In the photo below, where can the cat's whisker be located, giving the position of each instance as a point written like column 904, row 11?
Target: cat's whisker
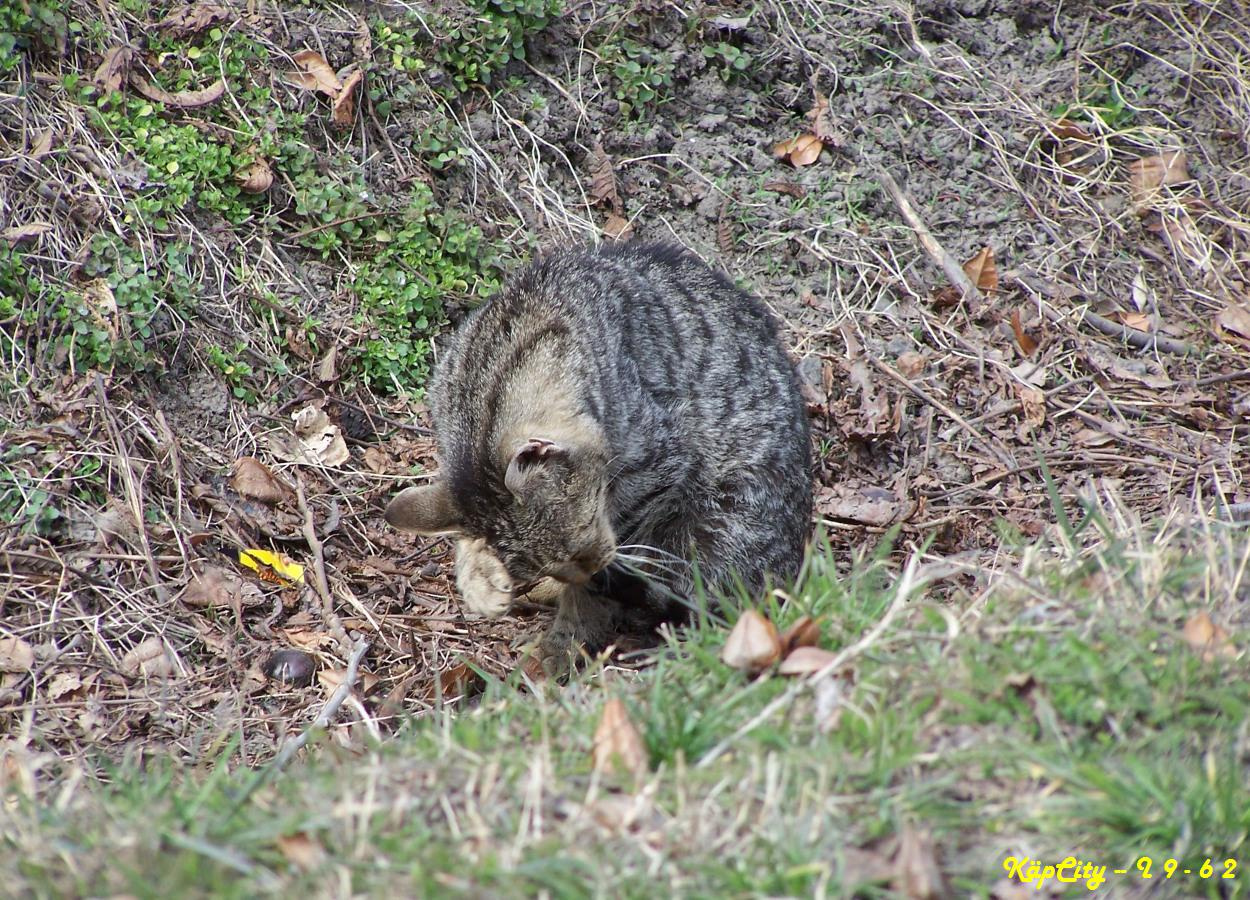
column 636, row 564
column 656, row 550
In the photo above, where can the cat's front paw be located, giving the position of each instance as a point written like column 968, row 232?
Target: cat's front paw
column 484, row 584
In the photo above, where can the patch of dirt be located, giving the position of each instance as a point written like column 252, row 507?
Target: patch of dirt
column 1105, row 353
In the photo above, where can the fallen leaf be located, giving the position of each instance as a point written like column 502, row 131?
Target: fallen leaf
column 459, row 680
column 255, row 178
column 192, row 18
column 308, row 639
column 343, row 111
column 214, row 588
column 63, row 684
column 315, row 74
column 1066, row 129
column 1138, row 320
column 911, row 363
column 1150, row 174
column 1033, row 401
column 864, row 505
column 821, row 117
column 149, row 659
column 805, row 661
column 792, row 188
column 1144, row 371
column 803, row 633
column 326, row 368
column 603, row 188
column 618, row 228
column 182, row 99
column 16, row 234
column 16, row 655
column 302, row 851
column 800, row 151
column 253, row 479
column 103, row 305
column 276, row 567
column 113, row 71
column 618, row 746
column 1208, row 639
column 753, row 645
column 1235, row 319
column 320, row 440
column 982, row 271
column 43, row 146
column 330, row 679
column 1026, row 342
column 916, row 872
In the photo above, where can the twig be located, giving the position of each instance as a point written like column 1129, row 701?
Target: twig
column 1141, row 340
column 320, row 583
column 907, row 583
column 328, row 711
column 954, row 271
column 1002, row 456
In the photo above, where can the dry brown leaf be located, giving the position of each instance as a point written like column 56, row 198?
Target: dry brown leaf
column 343, row 112
column 791, row 188
column 803, row 633
column 16, row 234
column 182, row 99
column 64, row 684
column 330, row 679
column 618, row 228
column 114, row 70
column 911, row 363
column 1066, row 129
column 103, row 305
column 302, row 851
column 1143, row 371
column 753, row 645
column 863, row 504
column 1148, row 175
column 603, row 187
column 458, row 681
column 253, row 479
column 315, row 74
column 982, row 271
column 805, row 661
column 256, row 178
column 821, row 117
column 1023, row 338
column 1033, row 401
column 149, row 659
column 1138, row 320
column 215, row 588
column 320, row 440
column 917, row 875
column 16, row 655
column 43, row 146
column 326, row 368
column 192, row 18
column 307, row 639
column 1235, row 319
column 800, row 151
column 618, row 746
column 1208, row 639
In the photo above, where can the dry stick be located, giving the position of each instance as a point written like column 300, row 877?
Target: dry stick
column 1133, row 337
column 954, row 271
column 906, row 585
column 328, row 711
column 320, row 582
column 1001, row 456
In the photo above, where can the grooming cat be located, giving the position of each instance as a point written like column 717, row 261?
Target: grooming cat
column 613, row 417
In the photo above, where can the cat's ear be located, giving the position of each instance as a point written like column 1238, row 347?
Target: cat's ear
column 426, row 509
column 534, row 452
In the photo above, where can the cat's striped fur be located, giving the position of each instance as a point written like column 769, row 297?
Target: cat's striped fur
column 616, row 412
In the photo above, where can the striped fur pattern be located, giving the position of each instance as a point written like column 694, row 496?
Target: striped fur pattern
column 612, row 417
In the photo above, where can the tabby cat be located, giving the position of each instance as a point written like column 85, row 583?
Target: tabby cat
column 617, row 424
